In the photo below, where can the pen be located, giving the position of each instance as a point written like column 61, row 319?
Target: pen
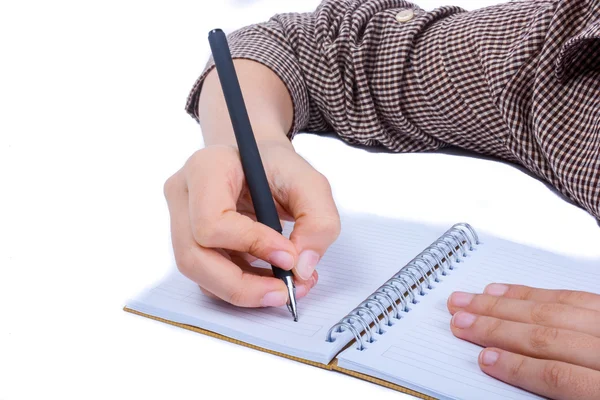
column 256, row 178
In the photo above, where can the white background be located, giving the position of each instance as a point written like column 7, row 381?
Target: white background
column 92, row 122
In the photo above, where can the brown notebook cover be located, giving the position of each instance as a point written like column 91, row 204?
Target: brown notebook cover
column 332, row 366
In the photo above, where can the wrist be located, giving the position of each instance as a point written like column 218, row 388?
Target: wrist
column 224, row 135
column 267, row 101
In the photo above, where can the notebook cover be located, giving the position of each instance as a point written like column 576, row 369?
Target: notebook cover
column 332, row 366
column 372, row 379
column 228, row 339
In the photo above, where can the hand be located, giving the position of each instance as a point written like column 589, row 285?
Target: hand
column 215, row 234
column 544, row 341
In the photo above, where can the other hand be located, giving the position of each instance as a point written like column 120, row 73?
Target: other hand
column 544, row 341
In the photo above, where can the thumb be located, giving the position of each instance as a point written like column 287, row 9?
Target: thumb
column 317, row 221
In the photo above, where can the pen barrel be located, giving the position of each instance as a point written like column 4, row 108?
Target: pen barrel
column 256, row 178
column 280, row 273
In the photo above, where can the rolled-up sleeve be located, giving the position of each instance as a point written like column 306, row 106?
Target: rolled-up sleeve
column 342, row 64
column 519, row 81
column 267, row 44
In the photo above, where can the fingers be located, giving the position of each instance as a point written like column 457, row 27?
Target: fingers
column 553, row 379
column 215, row 221
column 302, row 287
column 317, row 222
column 569, row 297
column 210, row 268
column 531, row 340
column 550, row 338
column 546, row 314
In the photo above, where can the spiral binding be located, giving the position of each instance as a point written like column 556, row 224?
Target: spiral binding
column 404, row 287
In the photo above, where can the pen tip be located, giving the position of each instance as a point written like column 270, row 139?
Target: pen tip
column 291, row 303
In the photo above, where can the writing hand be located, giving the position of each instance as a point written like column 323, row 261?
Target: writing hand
column 215, row 234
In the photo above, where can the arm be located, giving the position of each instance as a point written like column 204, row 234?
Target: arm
column 478, row 80
column 317, row 57
column 267, row 101
column 518, row 81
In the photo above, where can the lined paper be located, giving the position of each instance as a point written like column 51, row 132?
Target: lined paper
column 369, row 251
column 420, row 351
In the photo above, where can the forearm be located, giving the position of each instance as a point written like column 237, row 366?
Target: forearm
column 267, row 101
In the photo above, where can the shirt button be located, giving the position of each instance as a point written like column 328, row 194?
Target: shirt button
column 405, row 15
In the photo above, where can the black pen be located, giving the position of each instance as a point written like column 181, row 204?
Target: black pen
column 256, row 179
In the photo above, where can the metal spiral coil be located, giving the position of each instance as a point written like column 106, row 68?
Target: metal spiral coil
column 414, row 279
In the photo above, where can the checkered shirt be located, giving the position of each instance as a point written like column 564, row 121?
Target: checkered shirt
column 519, row 81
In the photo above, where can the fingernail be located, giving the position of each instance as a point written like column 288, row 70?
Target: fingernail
column 496, row 289
column 282, row 259
column 274, row 299
column 489, row 357
column 461, row 299
column 306, row 264
column 463, row 319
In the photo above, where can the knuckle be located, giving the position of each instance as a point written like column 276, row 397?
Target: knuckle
column 254, row 243
column 240, row 295
column 556, row 376
column 333, row 226
column 323, row 181
column 491, row 330
column 330, row 227
column 568, row 296
column 516, row 370
column 237, row 297
column 526, row 293
column 206, row 160
column 542, row 337
column 541, row 312
column 493, row 305
column 564, row 296
column 320, row 181
column 196, row 157
column 204, row 231
column 170, row 185
column 193, row 162
column 185, row 262
column 252, row 238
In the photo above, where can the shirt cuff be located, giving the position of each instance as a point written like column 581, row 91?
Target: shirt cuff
column 265, row 44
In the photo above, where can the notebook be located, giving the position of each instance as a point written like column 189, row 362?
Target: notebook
column 379, row 310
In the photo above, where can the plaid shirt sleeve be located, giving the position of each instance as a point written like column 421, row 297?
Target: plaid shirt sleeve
column 519, row 81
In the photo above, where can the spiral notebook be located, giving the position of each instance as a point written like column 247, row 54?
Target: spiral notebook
column 379, row 310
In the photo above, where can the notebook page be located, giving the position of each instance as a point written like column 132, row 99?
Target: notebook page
column 368, row 252
column 421, row 352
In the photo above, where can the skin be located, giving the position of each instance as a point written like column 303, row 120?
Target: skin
column 214, row 230
column 544, row 341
